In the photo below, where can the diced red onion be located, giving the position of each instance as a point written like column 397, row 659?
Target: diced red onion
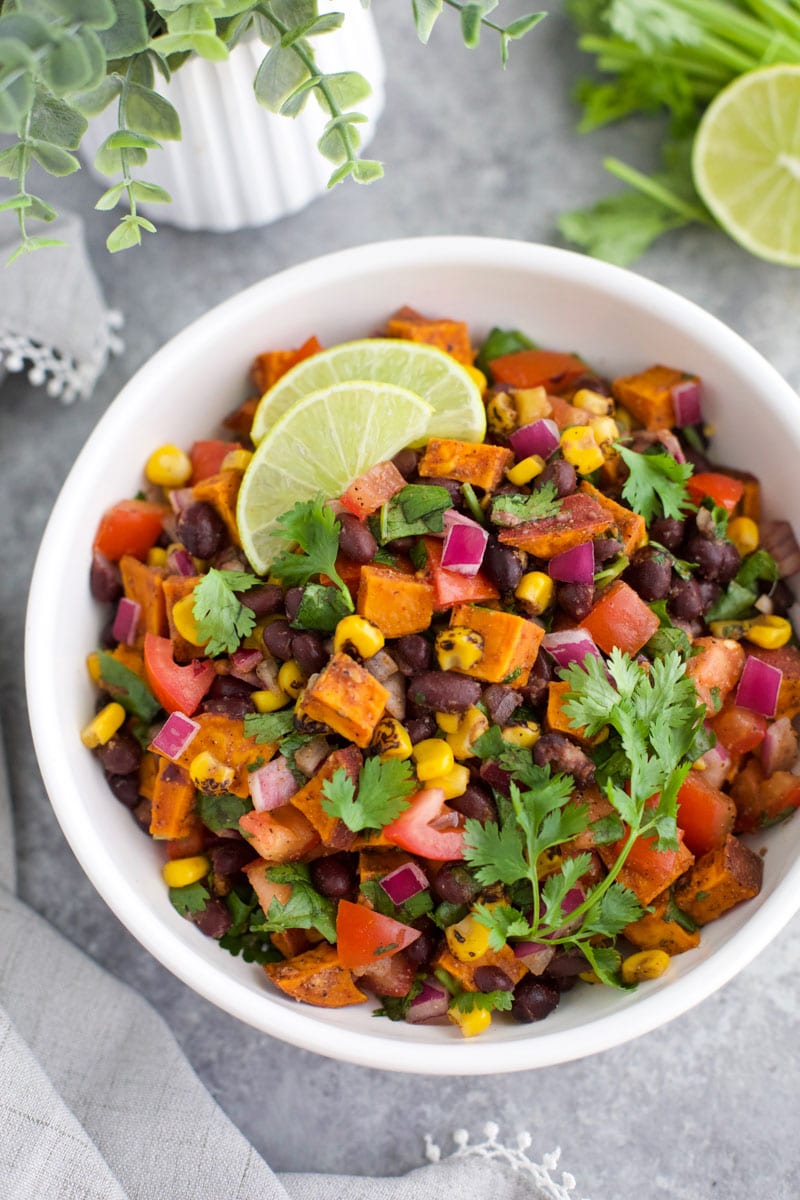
column 779, row 747
column 778, row 538
column 243, row 665
column 381, row 665
column 573, row 899
column 403, row 883
column 126, row 621
column 535, row 955
column 396, row 700
column 175, row 735
column 464, row 547
column 448, row 820
column 540, row 437
column 312, row 755
column 431, row 1003
column 452, row 516
column 759, row 686
column 272, row 785
column 180, row 562
column 716, row 764
column 570, row 645
column 686, row 402
column 573, row 566
column 180, row 499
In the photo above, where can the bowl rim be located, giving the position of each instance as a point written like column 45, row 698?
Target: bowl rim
column 299, row 1026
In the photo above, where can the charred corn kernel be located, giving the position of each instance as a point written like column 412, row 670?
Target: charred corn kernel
column 354, row 633
column 589, row 977
column 548, row 862
column 768, row 632
column 269, row 699
column 593, row 402
column 729, row 629
column 453, row 784
column 180, row 872
column 103, row 727
column 156, row 556
column 468, row 939
column 525, row 470
column 531, row 405
column 624, row 418
column 208, row 774
column 606, row 433
column 185, row 623
column 447, row 722
column 236, row 460
column 458, row 648
column 743, row 532
column 470, row 1023
column 168, row 467
column 536, row 591
column 523, row 736
column 291, row 678
column 647, row 964
column 469, row 728
column 93, row 666
column 391, row 739
column 477, row 376
column 579, row 447
column 433, row 757
column 501, row 413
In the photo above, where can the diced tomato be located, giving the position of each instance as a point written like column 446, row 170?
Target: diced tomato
column 279, row 835
column 130, row 527
column 450, row 587
column 705, row 814
column 176, row 688
column 363, row 936
column 761, row 802
column 715, row 669
column 206, row 458
column 621, row 618
column 413, row 830
column 537, row 368
column 725, row 491
column 372, row 489
column 390, row 976
column 739, row 729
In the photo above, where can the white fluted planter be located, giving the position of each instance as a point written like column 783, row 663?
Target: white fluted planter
column 238, row 165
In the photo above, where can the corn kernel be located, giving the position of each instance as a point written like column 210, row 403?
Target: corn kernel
column 606, row 433
column 768, row 632
column 355, row 635
column 523, row 736
column 579, row 447
column 269, row 700
column 103, row 727
column 210, row 775
column 184, row 621
column 93, row 666
column 156, row 556
column 525, row 470
column 743, row 532
column 453, row 784
column 433, row 757
column 593, row 402
column 236, row 460
column 536, row 591
column 458, row 648
column 646, row 964
column 471, row 1023
column 180, row 872
column 624, row 418
column 470, row 726
column 447, row 722
column 468, row 939
column 589, row 977
column 548, row 862
column 477, row 376
column 729, row 628
column 291, row 678
column 391, row 739
column 531, row 405
column 501, row 414
column 168, row 467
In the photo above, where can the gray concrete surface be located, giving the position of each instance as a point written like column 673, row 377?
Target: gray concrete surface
column 706, row 1107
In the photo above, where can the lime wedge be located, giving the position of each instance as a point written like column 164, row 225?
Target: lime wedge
column 432, row 374
column 324, row 442
column 746, row 162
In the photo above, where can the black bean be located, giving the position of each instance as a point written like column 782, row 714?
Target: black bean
column 566, row 964
column 501, row 701
column 235, row 707
column 215, row 920
column 535, row 690
column 400, row 545
column 731, row 561
column 534, row 999
column 105, row 580
column 277, row 638
column 685, row 599
column 708, row 554
column 650, row 573
column 406, row 462
column 334, row 875
column 475, row 801
column 451, row 485
column 125, row 788
column 492, row 979
column 502, row 564
column 420, row 728
column 264, row 600
column 575, row 599
column 444, row 691
column 605, row 549
column 782, row 598
column 594, row 383
column 355, row 540
column 229, row 855
column 308, row 650
column 143, row 813
column 106, row 640
column 698, row 460
column 201, row 529
column 225, row 686
column 454, row 883
column 557, row 751
column 668, row 531
column 422, row 949
column 121, row 754
column 412, row 654
column 292, row 601
column 560, row 473
column 709, row 592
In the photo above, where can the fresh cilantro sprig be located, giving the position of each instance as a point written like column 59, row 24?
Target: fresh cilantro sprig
column 222, row 620
column 222, row 811
column 656, row 485
column 498, row 1001
column 245, row 935
column 125, row 686
column 305, row 907
column 416, row 509
column 742, row 592
column 268, row 728
column 540, row 504
column 379, row 798
column 189, row 899
column 312, row 525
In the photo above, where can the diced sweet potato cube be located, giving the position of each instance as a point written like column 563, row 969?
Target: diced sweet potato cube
column 786, row 659
column 647, row 886
column 579, row 519
column 657, row 931
column 398, row 604
column 224, row 738
column 316, row 977
column 464, row 972
column 719, row 880
column 450, row 336
column 309, row 799
column 470, row 462
column 715, row 670
column 510, row 643
column 375, row 862
column 221, row 491
column 268, row 368
column 172, row 811
column 281, row 835
column 346, row 698
column 648, row 395
column 557, row 719
column 372, row 839
column 630, row 525
column 178, row 587
column 240, row 420
column 148, row 773
column 145, row 585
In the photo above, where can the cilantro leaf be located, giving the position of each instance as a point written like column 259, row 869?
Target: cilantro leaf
column 126, row 687
column 396, row 1007
column 617, row 907
column 380, row 798
column 496, row 852
column 760, row 565
column 268, row 727
column 619, row 228
column 221, row 811
column 605, row 962
column 668, row 636
column 189, row 899
column 503, row 921
column 241, row 938
column 673, row 913
column 656, row 484
column 467, row 1002
column 321, row 607
column 499, row 343
column 222, row 620
column 416, row 509
column 407, row 912
column 515, row 510
column 313, row 526
column 305, row 907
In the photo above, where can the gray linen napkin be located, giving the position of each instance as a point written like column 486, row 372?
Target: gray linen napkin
column 97, row 1101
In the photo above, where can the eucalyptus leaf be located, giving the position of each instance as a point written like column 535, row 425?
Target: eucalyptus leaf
column 142, row 71
column 27, row 28
column 128, row 35
column 122, row 139
column 31, row 244
column 341, row 173
column 280, row 73
column 150, row 193
column 40, row 210
column 10, row 161
column 126, row 234
column 324, row 24
column 148, row 112
column 471, row 17
column 96, row 13
column 15, row 101
column 108, row 159
column 14, row 52
column 293, row 12
column 426, row 14
column 110, row 198
column 347, row 88
column 15, row 203
column 54, row 159
column 366, row 170
column 67, row 67
column 56, row 122
column 206, row 45
column 95, row 101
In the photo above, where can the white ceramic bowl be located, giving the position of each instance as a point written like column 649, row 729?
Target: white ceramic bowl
column 620, row 322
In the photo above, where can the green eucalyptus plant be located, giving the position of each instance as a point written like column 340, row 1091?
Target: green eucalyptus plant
column 62, row 61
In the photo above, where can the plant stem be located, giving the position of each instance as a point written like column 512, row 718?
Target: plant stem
column 776, row 14
column 736, row 26
column 617, row 54
column 651, row 187
column 122, row 123
column 22, row 174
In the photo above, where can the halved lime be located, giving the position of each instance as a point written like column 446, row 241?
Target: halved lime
column 324, row 442
column 429, row 372
column 746, row 162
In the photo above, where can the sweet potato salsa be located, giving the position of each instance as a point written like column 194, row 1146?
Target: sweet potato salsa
column 499, row 719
